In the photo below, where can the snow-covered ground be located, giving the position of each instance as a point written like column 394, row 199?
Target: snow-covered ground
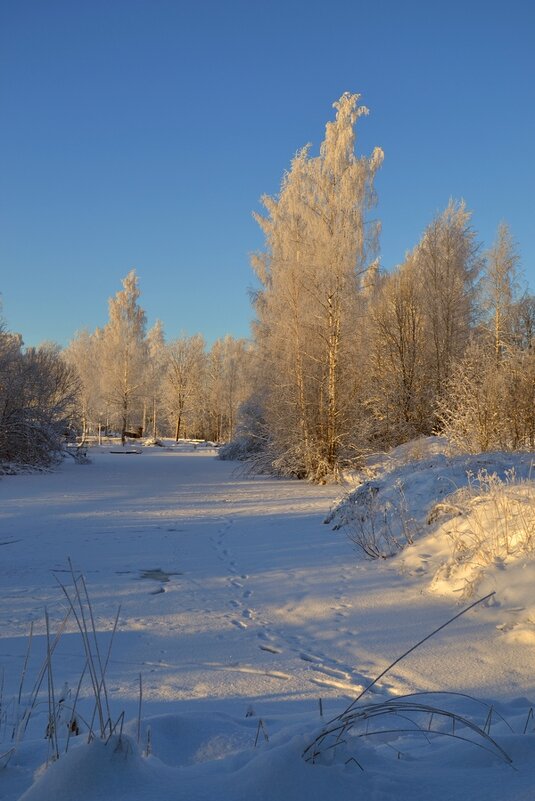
column 238, row 605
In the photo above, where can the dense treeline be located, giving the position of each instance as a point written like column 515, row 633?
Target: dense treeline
column 351, row 358
column 345, row 358
column 133, row 381
column 119, row 380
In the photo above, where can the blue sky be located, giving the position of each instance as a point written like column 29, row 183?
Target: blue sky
column 142, row 133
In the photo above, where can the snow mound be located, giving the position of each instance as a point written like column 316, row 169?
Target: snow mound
column 381, row 755
column 396, row 503
column 94, row 771
column 490, row 525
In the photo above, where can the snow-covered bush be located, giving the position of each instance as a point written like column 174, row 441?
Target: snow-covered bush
column 491, row 522
column 401, row 499
column 381, row 529
column 251, row 434
column 37, row 396
column 490, row 402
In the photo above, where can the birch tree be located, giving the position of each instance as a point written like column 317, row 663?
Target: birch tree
column 500, row 285
column 184, row 366
column 154, row 374
column 123, row 354
column 226, row 386
column 398, row 397
column 448, row 263
column 319, row 244
column 490, row 398
column 83, row 354
column 524, row 322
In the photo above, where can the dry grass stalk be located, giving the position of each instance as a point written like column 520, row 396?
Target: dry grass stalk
column 346, row 724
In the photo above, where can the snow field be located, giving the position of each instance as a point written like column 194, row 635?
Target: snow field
column 235, row 598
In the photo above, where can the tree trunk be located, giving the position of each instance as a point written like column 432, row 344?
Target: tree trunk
column 125, row 419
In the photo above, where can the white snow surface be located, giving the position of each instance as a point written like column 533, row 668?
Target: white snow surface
column 238, row 605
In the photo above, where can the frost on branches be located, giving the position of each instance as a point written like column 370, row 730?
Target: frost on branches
column 319, row 245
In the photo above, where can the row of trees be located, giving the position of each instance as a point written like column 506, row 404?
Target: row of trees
column 133, row 381
column 452, row 342
column 350, row 358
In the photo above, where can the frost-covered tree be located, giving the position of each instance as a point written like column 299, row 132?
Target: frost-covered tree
column 83, row 354
column 184, row 368
column 490, row 405
column 421, row 320
column 472, row 408
column 489, row 401
column 319, row 245
column 500, row 285
column 524, row 322
column 154, row 374
column 123, row 355
column 448, row 263
column 397, row 394
column 38, row 394
column 226, row 386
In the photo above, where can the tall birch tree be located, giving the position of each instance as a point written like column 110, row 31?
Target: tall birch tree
column 319, row 244
column 123, row 354
column 500, row 284
column 448, row 263
column 154, row 376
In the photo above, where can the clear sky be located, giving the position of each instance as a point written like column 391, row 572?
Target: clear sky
column 142, row 133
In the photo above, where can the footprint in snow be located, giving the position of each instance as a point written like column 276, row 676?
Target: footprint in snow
column 270, row 649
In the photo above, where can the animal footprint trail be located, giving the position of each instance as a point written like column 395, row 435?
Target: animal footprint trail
column 322, row 670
